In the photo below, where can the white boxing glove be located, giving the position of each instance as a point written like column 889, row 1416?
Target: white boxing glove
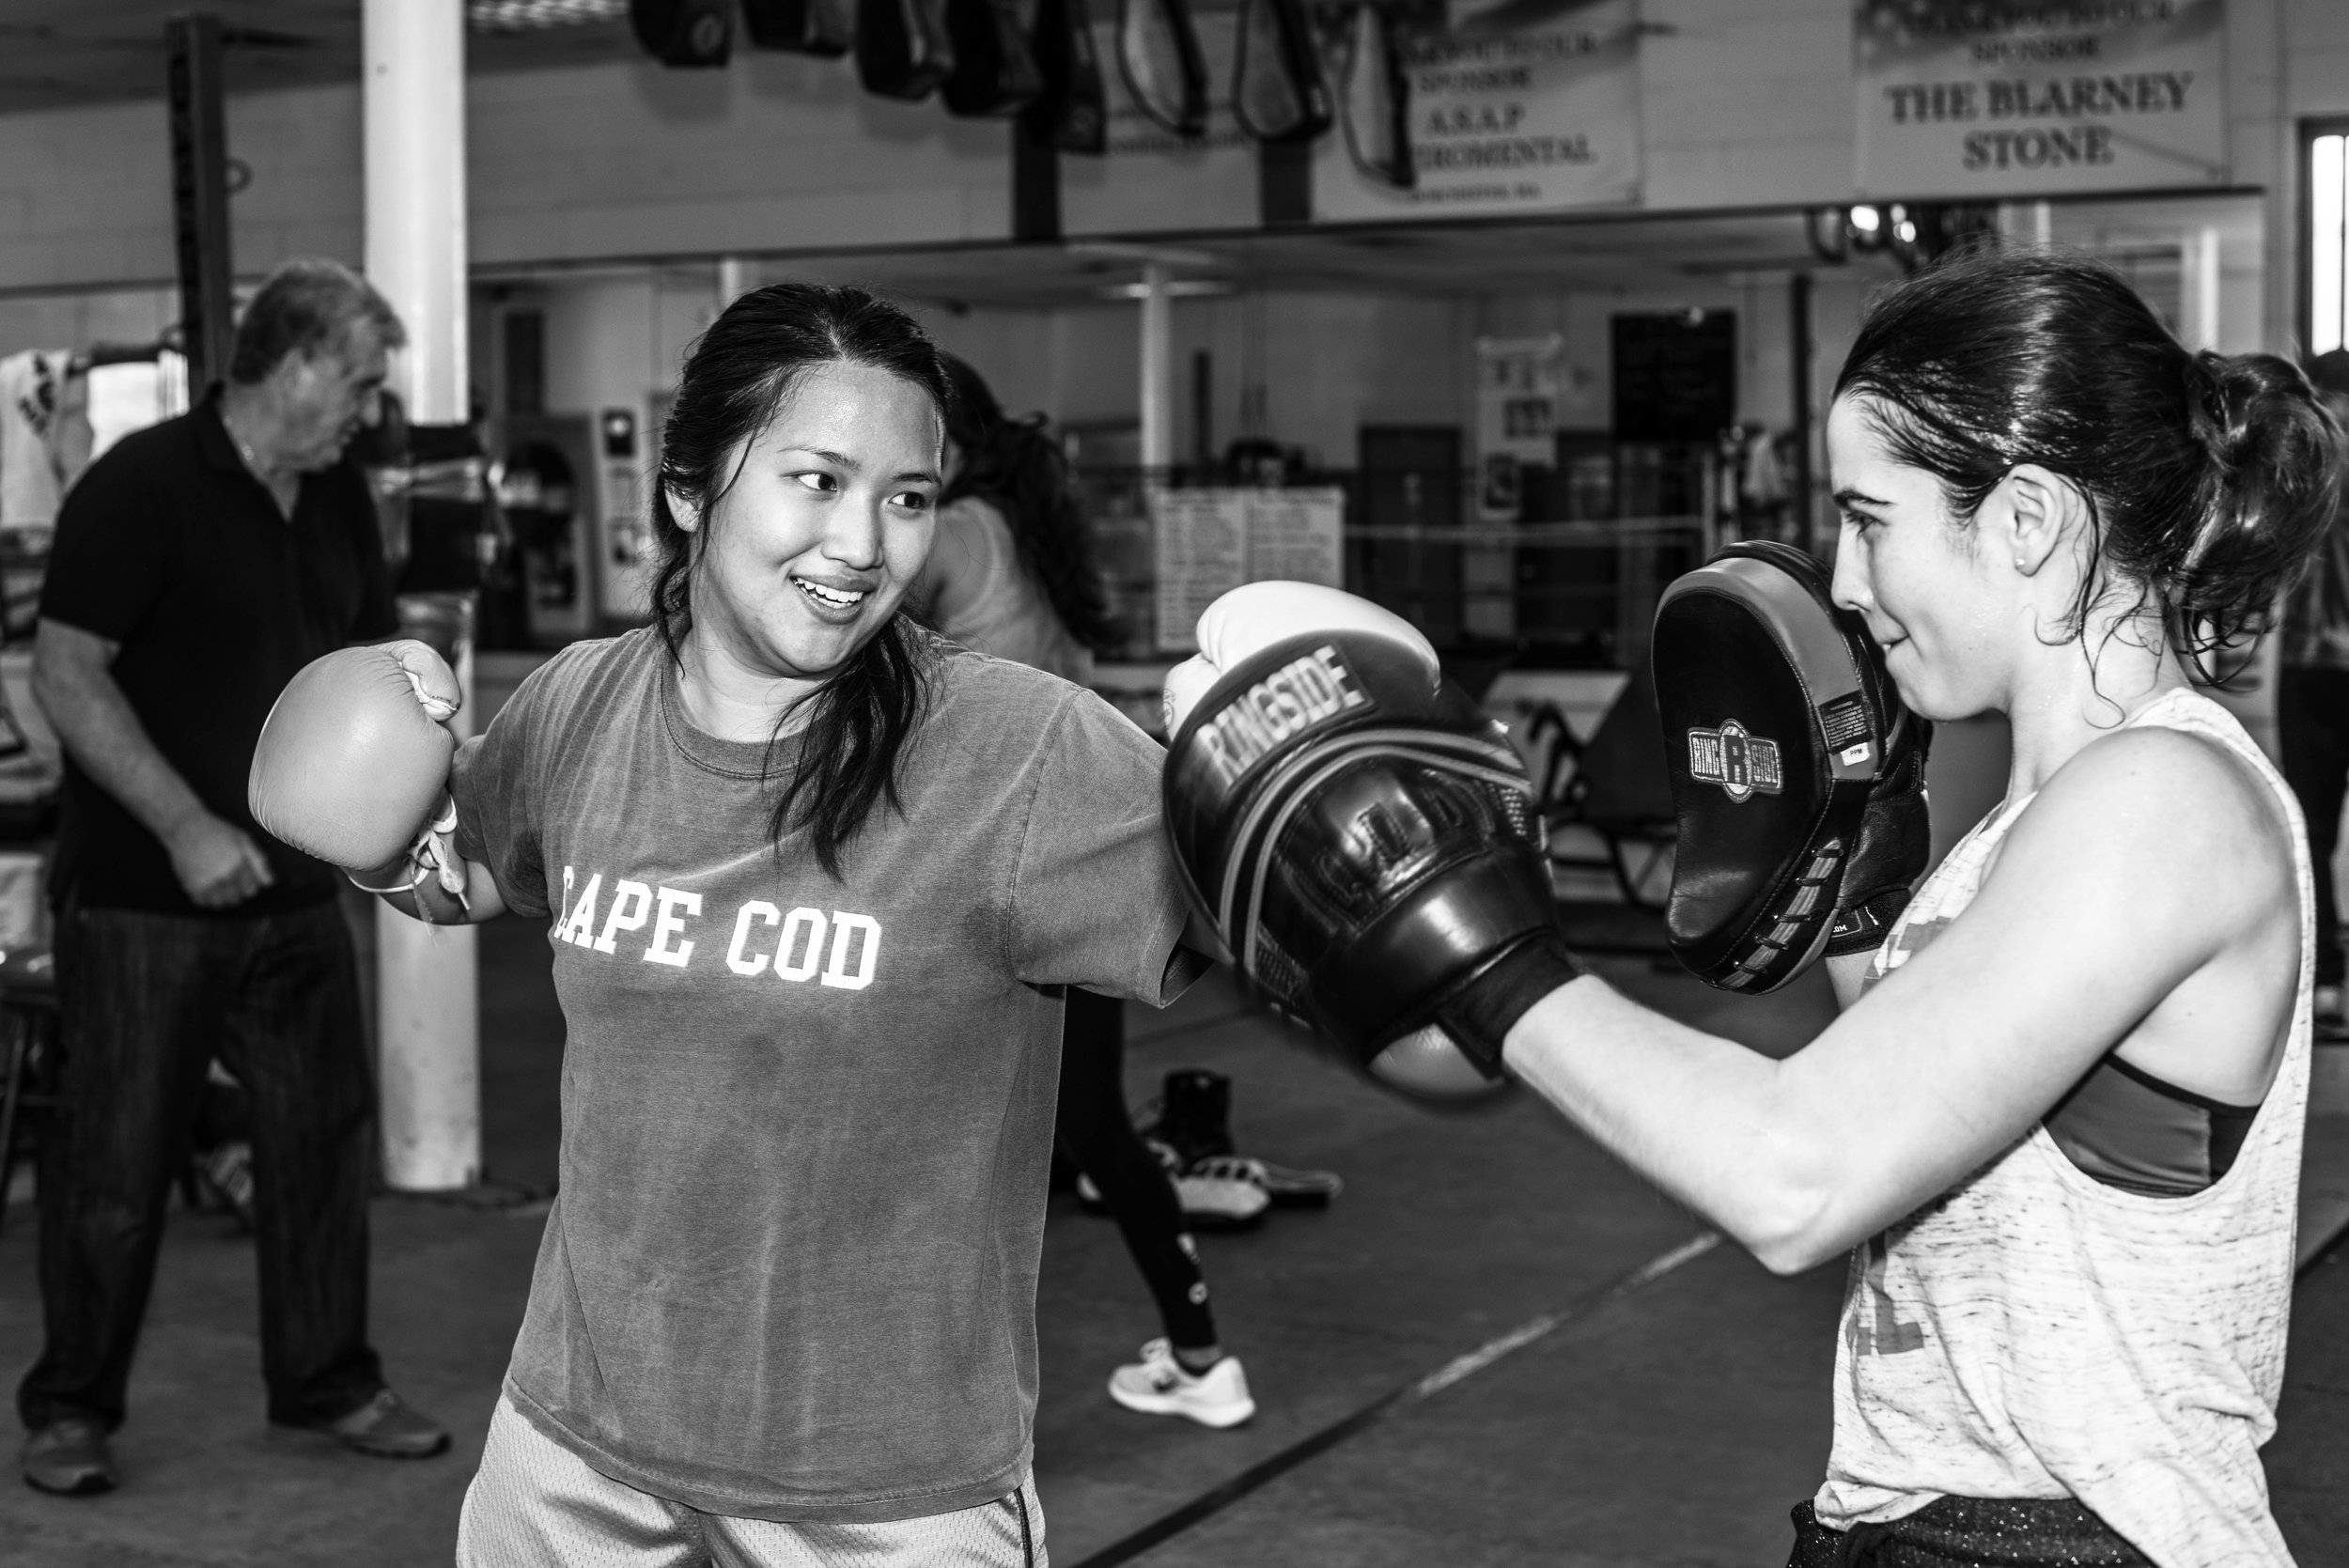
column 353, row 765
column 1255, row 616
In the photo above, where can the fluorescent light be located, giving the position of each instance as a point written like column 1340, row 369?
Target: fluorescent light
column 530, row 16
column 1176, row 288
column 1867, row 220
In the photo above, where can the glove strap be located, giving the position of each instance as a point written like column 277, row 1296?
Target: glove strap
column 1480, row 1014
column 1862, row 927
column 431, row 858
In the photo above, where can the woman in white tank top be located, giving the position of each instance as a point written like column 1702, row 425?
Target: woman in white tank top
column 2058, row 1124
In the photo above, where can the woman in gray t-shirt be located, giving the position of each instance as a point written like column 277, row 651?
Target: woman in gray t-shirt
column 814, row 880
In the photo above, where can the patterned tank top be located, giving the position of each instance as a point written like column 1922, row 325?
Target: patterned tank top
column 2034, row 1332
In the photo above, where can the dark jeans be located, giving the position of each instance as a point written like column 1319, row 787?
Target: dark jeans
column 1099, row 1132
column 2312, row 735
column 144, row 1001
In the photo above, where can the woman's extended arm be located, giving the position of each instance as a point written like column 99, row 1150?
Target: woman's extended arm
column 2146, row 858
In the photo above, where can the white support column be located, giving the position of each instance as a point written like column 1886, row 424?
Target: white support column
column 414, row 102
column 1157, row 368
column 736, row 278
column 2198, row 288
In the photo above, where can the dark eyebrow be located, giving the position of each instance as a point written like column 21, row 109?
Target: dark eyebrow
column 924, row 474
column 1848, row 497
column 839, row 460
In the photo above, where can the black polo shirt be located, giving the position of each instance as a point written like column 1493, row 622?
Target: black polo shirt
column 171, row 547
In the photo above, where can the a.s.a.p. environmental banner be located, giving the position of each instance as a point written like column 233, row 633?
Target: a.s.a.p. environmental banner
column 1471, row 108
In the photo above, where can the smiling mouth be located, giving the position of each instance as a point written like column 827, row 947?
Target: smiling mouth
column 831, row 598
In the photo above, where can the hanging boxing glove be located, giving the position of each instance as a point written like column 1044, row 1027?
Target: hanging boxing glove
column 1071, row 112
column 1276, row 90
column 820, row 27
column 1158, row 54
column 1374, row 94
column 993, row 74
column 902, row 47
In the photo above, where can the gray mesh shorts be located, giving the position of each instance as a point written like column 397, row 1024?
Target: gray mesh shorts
column 535, row 1504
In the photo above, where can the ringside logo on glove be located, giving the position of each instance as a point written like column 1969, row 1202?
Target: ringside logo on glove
column 1362, row 837
column 1285, row 704
column 1799, row 795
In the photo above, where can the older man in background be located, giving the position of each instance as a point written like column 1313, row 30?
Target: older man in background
column 198, row 565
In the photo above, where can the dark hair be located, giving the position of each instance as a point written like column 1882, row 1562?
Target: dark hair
column 2209, row 477
column 1013, row 464
column 307, row 307
column 735, row 378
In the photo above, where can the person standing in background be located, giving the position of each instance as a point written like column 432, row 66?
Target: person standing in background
column 2312, row 713
column 1011, row 574
column 198, row 565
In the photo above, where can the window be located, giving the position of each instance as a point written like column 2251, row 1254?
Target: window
column 2325, row 202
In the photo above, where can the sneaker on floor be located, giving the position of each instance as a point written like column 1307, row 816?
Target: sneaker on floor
column 1159, row 1386
column 383, row 1428
column 1287, row 1188
column 70, row 1458
column 1220, row 1203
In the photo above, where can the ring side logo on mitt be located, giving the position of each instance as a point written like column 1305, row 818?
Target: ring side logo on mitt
column 1743, row 764
column 1289, row 701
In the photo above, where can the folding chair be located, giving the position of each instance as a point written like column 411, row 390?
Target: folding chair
column 1612, row 786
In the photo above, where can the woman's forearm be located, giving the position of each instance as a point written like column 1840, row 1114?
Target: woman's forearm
column 1702, row 1117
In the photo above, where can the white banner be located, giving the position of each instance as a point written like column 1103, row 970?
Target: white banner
column 2019, row 97
column 1514, row 107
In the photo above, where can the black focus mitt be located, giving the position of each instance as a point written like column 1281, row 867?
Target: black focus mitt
column 1796, row 773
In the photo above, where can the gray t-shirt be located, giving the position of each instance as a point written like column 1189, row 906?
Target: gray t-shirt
column 806, row 1122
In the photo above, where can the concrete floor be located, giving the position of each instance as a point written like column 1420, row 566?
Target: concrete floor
column 1674, row 1424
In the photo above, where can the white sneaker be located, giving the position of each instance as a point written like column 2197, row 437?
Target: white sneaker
column 1160, row 1387
column 1221, row 1203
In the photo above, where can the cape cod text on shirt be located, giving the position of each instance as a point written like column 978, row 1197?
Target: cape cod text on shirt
column 838, row 948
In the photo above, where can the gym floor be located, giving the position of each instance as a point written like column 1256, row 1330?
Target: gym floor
column 1614, row 1392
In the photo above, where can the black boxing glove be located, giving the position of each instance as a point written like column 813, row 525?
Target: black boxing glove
column 1361, row 838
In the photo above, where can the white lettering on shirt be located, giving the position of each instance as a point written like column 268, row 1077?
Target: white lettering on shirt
column 630, row 901
column 812, row 921
column 737, row 960
column 838, row 971
column 666, row 925
column 841, row 948
column 579, row 927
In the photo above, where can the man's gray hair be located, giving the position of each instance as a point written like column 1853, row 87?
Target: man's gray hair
column 307, row 307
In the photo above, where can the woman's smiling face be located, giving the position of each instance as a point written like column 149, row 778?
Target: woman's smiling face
column 829, row 518
column 1916, row 574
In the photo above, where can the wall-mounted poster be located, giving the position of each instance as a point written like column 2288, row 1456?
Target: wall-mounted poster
column 1460, row 107
column 1518, row 383
column 1211, row 540
column 1201, row 556
column 2017, row 97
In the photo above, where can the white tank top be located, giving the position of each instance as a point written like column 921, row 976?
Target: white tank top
column 2035, row 1333
column 991, row 603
